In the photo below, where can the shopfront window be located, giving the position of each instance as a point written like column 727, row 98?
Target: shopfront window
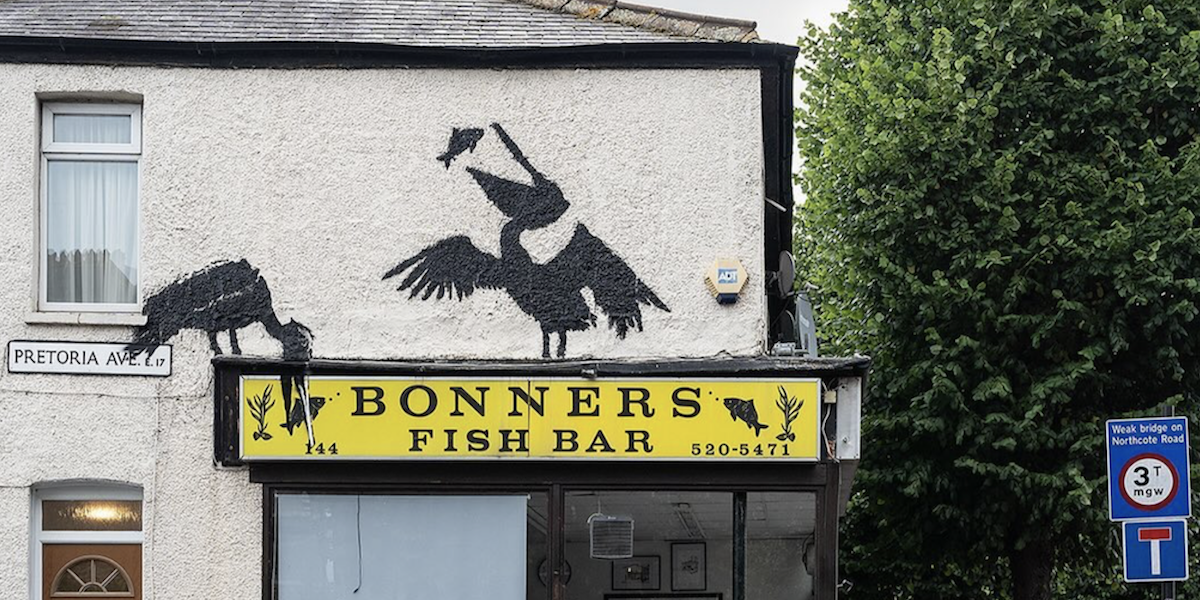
column 685, row 545
column 372, row 547
column 666, row 526
column 616, row 545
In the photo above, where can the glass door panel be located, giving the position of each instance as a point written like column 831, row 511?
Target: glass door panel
column 780, row 553
column 92, row 570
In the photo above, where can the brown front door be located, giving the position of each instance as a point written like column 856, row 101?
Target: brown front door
column 97, row 570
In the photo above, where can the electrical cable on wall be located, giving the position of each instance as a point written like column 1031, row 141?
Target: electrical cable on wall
column 830, row 446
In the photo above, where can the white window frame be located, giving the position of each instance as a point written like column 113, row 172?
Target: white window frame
column 51, row 150
column 77, row 491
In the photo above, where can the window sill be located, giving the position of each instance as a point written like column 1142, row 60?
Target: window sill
column 78, row 318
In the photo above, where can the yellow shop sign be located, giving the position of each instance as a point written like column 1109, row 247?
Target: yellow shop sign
column 357, row 418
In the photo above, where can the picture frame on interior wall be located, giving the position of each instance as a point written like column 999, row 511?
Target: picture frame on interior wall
column 637, row 573
column 689, row 566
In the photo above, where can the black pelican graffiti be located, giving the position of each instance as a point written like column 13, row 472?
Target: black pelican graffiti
column 224, row 296
column 550, row 293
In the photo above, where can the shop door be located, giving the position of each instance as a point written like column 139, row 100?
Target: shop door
column 92, row 571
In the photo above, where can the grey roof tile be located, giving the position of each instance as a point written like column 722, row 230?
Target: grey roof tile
column 439, row 23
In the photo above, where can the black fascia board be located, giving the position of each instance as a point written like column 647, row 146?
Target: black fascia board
column 741, row 367
column 342, row 55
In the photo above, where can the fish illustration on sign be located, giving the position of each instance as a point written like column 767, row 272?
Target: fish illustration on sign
column 296, row 417
column 744, row 410
column 461, row 140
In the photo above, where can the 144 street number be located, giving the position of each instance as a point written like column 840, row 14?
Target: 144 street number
column 771, row 449
column 322, row 449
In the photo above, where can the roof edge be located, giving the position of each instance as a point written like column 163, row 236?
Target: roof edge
column 660, row 20
column 681, row 54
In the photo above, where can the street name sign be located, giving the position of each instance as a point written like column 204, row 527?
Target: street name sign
column 1148, row 468
column 1155, row 551
column 87, row 358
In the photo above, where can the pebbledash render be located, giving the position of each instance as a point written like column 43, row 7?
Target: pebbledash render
column 369, row 299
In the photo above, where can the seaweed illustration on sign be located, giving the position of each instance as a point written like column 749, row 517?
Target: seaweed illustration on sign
column 226, row 296
column 744, row 410
column 259, row 407
column 550, row 292
column 790, row 407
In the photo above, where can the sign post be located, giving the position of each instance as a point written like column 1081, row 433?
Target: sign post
column 1149, row 490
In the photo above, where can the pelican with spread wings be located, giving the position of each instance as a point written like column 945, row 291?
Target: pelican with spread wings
column 550, row 292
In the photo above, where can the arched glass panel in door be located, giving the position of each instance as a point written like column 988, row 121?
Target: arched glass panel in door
column 91, row 577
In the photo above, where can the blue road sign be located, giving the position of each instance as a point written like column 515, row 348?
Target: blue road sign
column 1148, row 468
column 1155, row 550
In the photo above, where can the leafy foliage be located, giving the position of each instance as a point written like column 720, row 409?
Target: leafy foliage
column 1001, row 210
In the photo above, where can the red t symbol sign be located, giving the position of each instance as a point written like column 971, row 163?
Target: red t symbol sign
column 1155, row 535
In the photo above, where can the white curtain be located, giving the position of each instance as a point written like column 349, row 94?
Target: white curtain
column 91, row 231
column 401, row 547
column 92, row 129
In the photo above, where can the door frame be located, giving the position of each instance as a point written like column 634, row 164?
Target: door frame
column 78, row 490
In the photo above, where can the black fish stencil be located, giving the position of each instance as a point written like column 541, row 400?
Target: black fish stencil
column 744, row 410
column 461, row 140
column 296, row 417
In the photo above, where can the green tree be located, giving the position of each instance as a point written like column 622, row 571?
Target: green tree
column 1000, row 209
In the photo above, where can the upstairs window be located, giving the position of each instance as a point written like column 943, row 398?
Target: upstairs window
column 89, row 207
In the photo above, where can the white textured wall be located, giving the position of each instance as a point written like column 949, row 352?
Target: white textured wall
column 323, row 180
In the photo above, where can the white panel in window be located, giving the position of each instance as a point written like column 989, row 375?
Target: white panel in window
column 91, row 232
column 401, row 547
column 93, row 129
